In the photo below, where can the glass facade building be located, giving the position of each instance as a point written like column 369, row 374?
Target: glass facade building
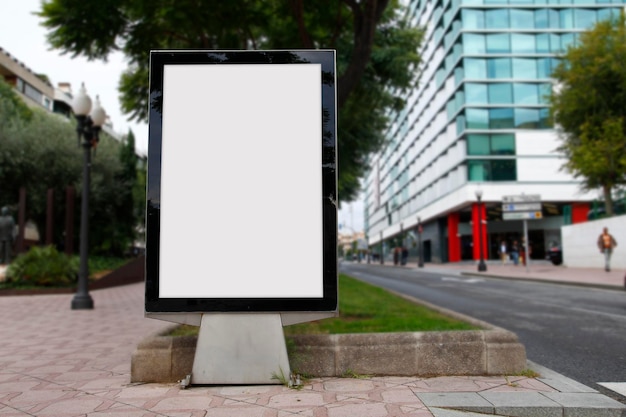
column 478, row 117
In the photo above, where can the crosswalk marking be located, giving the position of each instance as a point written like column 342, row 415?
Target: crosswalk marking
column 619, row 387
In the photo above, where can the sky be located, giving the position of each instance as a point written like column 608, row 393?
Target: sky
column 22, row 36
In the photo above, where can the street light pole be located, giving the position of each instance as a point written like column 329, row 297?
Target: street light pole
column 420, row 249
column 382, row 249
column 88, row 128
column 481, row 264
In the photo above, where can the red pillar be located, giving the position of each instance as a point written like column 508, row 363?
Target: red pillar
column 476, row 229
column 454, row 240
column 579, row 212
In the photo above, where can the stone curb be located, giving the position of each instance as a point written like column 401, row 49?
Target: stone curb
column 489, row 351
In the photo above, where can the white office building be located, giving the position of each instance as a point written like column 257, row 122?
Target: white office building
column 477, row 119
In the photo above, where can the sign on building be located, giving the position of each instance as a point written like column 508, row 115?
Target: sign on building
column 521, row 207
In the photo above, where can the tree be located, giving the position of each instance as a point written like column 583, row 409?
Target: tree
column 376, row 49
column 40, row 152
column 589, row 106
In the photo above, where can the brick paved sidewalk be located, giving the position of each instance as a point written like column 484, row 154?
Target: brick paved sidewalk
column 59, row 362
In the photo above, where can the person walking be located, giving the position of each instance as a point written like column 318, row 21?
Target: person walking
column 515, row 252
column 606, row 244
column 503, row 253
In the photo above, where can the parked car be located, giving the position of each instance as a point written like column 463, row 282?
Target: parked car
column 554, row 253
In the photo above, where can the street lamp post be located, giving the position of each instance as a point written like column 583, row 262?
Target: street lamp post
column 89, row 121
column 420, row 249
column 481, row 264
column 382, row 249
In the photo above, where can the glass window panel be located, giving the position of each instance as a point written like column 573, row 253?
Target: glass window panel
column 541, row 19
column 544, row 68
column 478, row 145
column 554, row 19
column 555, row 43
column 524, row 68
column 526, row 93
column 450, row 109
column 476, row 93
column 567, row 40
column 567, row 19
column 477, row 118
column 503, row 144
column 523, row 43
column 526, row 118
column 522, row 19
column 545, row 91
column 478, row 170
column 475, row 68
column 459, row 75
column 460, row 124
column 605, row 14
column 500, row 93
column 459, row 99
column 501, row 118
column 565, row 1
column 497, row 19
column 473, row 19
column 473, row 43
column 503, row 170
column 498, row 43
column 495, row 1
column 545, row 121
column 499, row 68
column 543, row 43
column 584, row 18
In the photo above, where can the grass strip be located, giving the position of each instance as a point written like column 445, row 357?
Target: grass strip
column 365, row 308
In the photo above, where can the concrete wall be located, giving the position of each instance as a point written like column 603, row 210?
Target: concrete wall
column 580, row 248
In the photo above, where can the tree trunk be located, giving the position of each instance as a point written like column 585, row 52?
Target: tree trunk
column 608, row 200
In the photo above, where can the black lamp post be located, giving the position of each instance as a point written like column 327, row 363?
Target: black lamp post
column 481, row 264
column 382, row 249
column 89, row 122
column 420, row 249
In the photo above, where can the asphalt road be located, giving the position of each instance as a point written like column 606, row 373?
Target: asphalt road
column 576, row 331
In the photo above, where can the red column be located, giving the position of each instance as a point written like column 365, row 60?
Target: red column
column 579, row 212
column 454, row 240
column 476, row 229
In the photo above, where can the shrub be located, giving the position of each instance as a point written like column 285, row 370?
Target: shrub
column 42, row 266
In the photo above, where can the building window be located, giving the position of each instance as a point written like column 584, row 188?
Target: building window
column 500, row 93
column 501, row 118
column 499, row 68
column 494, row 144
column 492, row 170
column 524, row 68
column 498, row 43
column 497, row 19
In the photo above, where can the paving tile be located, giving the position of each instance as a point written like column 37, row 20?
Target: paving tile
column 523, row 404
column 468, row 401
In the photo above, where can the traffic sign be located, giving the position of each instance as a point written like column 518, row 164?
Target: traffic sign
column 523, row 198
column 522, row 207
column 522, row 215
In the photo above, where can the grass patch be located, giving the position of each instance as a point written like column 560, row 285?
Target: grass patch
column 365, row 308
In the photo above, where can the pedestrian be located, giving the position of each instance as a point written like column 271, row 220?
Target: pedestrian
column 606, row 244
column 503, row 253
column 7, row 228
column 515, row 253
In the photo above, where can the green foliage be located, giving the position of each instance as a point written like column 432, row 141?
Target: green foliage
column 590, row 107
column 42, row 266
column 40, row 152
column 12, row 108
column 376, row 51
column 364, row 308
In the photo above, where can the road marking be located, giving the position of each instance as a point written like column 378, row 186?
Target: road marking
column 464, row 280
column 619, row 387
